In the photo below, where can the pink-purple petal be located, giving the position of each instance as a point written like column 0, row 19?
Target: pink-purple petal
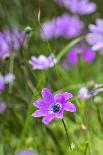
column 59, row 114
column 41, row 104
column 47, row 119
column 62, row 97
column 69, row 107
column 47, row 95
column 40, row 113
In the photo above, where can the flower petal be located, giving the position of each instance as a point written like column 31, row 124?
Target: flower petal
column 59, row 114
column 62, row 97
column 47, row 119
column 41, row 104
column 40, row 113
column 69, row 107
column 47, row 95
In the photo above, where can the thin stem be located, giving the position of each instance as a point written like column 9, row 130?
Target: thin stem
column 11, row 68
column 66, row 133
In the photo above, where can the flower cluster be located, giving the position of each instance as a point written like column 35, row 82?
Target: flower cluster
column 78, row 6
column 42, row 62
column 8, row 78
column 80, row 51
column 9, row 41
column 95, row 37
column 66, row 26
column 53, row 106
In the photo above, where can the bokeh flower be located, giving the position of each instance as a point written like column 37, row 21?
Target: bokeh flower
column 78, row 6
column 62, row 26
column 85, row 92
column 2, row 107
column 95, row 37
column 80, row 51
column 7, row 79
column 53, row 106
column 10, row 41
column 26, row 152
column 42, row 62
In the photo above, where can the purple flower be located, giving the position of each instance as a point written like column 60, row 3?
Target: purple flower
column 42, row 62
column 84, row 93
column 53, row 106
column 82, row 51
column 9, row 41
column 26, row 152
column 7, row 79
column 66, row 26
column 95, row 37
column 78, row 6
column 2, row 107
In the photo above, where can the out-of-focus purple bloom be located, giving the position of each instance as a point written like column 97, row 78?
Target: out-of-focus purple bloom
column 84, row 93
column 26, row 152
column 53, row 106
column 66, row 26
column 95, row 37
column 7, row 79
column 78, row 6
column 2, row 107
column 9, row 41
column 82, row 51
column 42, row 62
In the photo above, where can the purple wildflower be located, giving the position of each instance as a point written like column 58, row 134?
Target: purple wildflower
column 7, row 79
column 2, row 107
column 9, row 41
column 84, row 93
column 42, row 62
column 66, row 26
column 82, row 51
column 53, row 106
column 95, row 37
column 26, row 152
column 78, row 6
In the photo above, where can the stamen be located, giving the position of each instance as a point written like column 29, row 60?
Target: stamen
column 55, row 107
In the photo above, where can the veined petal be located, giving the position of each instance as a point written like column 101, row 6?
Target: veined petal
column 47, row 119
column 41, row 104
column 40, row 113
column 62, row 97
column 47, row 95
column 69, row 107
column 59, row 114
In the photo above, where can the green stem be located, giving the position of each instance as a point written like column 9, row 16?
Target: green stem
column 11, row 67
column 66, row 133
column 86, row 148
column 69, row 45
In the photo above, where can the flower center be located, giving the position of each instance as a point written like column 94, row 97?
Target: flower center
column 56, row 107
